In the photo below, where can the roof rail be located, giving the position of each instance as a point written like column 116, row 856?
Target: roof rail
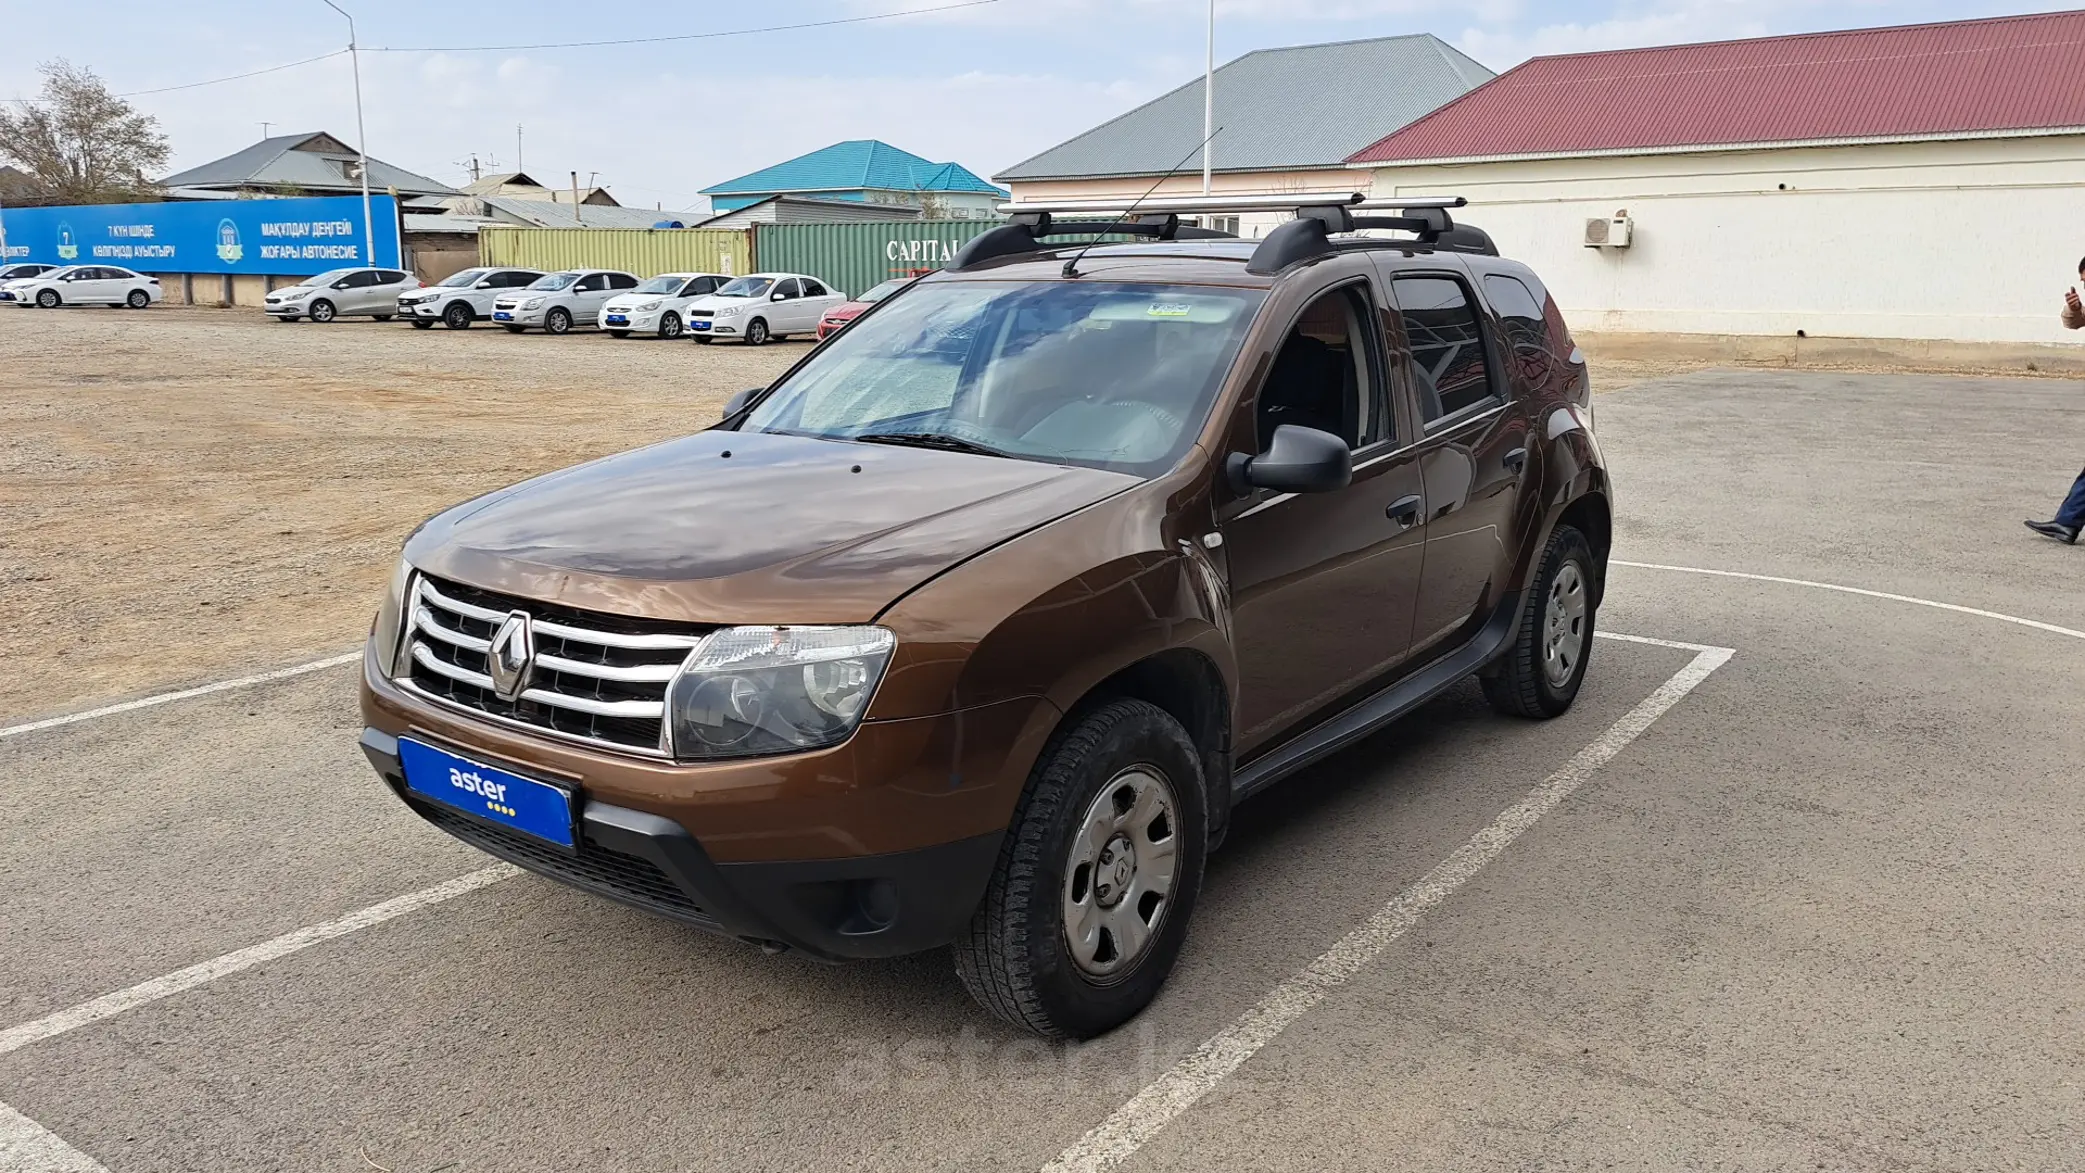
column 1318, row 216
column 1025, row 234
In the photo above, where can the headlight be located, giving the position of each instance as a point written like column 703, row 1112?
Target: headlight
column 385, row 634
column 532, row 303
column 765, row 690
column 294, row 294
column 730, row 311
column 647, row 307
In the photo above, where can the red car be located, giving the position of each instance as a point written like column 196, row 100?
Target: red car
column 847, row 311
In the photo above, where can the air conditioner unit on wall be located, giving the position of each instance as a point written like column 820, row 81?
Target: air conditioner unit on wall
column 1608, row 231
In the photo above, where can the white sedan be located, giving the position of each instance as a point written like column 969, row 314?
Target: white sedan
column 660, row 305
column 762, row 306
column 84, row 285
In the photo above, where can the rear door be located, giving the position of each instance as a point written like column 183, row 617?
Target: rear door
column 96, row 285
column 1472, row 445
column 1323, row 585
column 817, row 300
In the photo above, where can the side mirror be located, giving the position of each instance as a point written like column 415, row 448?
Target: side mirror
column 1297, row 460
column 483, row 285
column 740, row 401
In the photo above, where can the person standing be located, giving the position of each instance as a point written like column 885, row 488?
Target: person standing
column 2070, row 516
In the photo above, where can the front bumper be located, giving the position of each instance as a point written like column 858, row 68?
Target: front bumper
column 421, row 309
column 633, row 322
column 878, row 847
column 282, row 309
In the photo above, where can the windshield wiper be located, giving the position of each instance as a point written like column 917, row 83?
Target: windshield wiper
column 938, row 440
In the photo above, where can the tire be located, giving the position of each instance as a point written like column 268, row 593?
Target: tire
column 1540, row 675
column 321, row 311
column 517, row 329
column 138, row 299
column 557, row 321
column 381, row 317
column 1017, row 957
column 458, row 315
column 422, row 324
column 669, row 325
column 49, row 299
column 756, row 332
column 618, row 333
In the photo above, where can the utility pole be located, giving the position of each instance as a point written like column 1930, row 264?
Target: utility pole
column 575, row 198
column 3, row 233
column 264, row 128
column 362, row 137
column 1209, row 102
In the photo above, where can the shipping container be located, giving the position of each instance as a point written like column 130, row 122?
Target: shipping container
column 643, row 251
column 853, row 257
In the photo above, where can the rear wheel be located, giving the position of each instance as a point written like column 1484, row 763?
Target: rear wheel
column 138, row 299
column 756, row 332
column 422, row 324
column 49, row 299
column 458, row 316
column 321, row 311
column 1097, row 877
column 670, row 325
column 1540, row 676
column 557, row 321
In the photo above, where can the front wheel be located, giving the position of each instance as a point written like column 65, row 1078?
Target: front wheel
column 756, row 332
column 1540, row 675
column 422, row 324
column 458, row 316
column 557, row 321
column 321, row 311
column 138, row 299
column 48, row 299
column 1097, row 877
column 670, row 325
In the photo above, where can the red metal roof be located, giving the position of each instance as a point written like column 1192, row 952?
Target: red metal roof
column 2013, row 73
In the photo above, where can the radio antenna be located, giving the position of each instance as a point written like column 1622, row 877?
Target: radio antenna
column 1071, row 267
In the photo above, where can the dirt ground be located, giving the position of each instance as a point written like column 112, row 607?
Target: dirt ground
column 190, row 494
column 194, row 493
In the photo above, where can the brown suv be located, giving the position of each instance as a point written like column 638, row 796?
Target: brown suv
column 975, row 625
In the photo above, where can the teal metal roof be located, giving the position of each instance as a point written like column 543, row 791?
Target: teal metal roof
column 855, row 165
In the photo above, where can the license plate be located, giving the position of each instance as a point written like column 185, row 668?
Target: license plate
column 531, row 807
column 698, row 325
column 502, row 316
column 617, row 320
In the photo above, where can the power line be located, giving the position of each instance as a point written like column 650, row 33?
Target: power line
column 212, row 82
column 777, row 28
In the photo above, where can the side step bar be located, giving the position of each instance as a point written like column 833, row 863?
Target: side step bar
column 1331, row 736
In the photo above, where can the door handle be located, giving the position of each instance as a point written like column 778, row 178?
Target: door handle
column 1404, row 511
column 1517, row 460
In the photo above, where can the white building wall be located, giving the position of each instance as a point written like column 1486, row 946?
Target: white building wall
column 1966, row 240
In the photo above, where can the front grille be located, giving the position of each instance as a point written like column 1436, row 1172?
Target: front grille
column 631, row 877
column 702, row 313
column 598, row 678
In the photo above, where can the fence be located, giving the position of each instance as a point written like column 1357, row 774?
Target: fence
column 643, row 251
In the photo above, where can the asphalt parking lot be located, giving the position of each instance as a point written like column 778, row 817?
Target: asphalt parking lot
column 1813, row 907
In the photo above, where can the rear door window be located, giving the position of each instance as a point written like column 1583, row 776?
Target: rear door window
column 813, row 289
column 1449, row 371
column 621, row 281
column 1526, row 333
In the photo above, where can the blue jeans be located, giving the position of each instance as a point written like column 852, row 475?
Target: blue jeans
column 2073, row 512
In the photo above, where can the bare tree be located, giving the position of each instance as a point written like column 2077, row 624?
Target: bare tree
column 80, row 143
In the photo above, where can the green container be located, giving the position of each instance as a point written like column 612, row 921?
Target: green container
column 646, row 252
column 853, row 257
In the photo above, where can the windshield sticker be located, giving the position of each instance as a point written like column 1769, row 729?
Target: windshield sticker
column 1170, row 309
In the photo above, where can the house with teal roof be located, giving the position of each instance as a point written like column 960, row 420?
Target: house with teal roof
column 866, row 171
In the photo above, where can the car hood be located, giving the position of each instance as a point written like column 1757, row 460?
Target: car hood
column 739, row 527
column 624, row 301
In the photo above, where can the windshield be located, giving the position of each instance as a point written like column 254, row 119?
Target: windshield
column 554, row 280
column 746, row 287
column 667, row 283
column 467, row 277
column 1107, row 376
column 328, row 277
column 885, row 290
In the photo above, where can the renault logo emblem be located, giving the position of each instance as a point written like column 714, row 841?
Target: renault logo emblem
column 512, row 657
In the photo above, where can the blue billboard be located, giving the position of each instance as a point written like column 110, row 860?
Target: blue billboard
column 285, row 236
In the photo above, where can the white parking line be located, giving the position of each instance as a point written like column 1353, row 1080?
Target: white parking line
column 14, row 1038
column 1148, row 1112
column 2036, row 624
column 184, row 694
column 29, row 1147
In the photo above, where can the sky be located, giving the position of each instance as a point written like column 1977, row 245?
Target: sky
column 986, row 85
